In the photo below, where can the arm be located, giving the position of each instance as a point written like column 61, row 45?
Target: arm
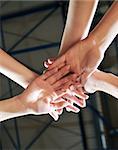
column 101, row 81
column 107, row 29
column 23, row 76
column 36, row 99
column 79, row 18
column 11, row 108
column 15, row 70
column 85, row 56
column 103, row 34
column 40, row 97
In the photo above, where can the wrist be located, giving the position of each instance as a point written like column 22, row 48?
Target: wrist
column 92, row 41
column 95, row 44
column 101, row 79
column 23, row 104
column 32, row 77
column 30, row 107
column 94, row 82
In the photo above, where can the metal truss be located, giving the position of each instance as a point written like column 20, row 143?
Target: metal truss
column 50, row 8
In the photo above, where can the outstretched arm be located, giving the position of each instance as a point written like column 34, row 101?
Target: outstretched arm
column 11, row 108
column 79, row 19
column 78, row 23
column 107, row 29
column 15, row 70
column 34, row 100
column 85, row 56
column 39, row 98
column 102, row 81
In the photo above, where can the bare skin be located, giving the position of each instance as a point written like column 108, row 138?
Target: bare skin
column 81, row 52
column 78, row 27
column 34, row 100
column 38, row 98
column 79, row 19
column 80, row 55
column 98, row 81
column 23, row 76
column 101, row 81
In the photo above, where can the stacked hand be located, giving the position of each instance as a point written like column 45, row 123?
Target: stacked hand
column 44, row 96
column 83, row 59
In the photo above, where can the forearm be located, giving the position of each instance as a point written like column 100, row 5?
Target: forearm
column 107, row 28
column 79, row 18
column 11, row 108
column 15, row 70
column 108, row 83
column 101, row 81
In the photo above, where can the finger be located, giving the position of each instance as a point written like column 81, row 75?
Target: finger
column 58, row 75
column 59, row 62
column 78, row 85
column 57, row 100
column 60, row 93
column 79, row 102
column 49, row 73
column 44, row 71
column 85, row 76
column 72, row 108
column 54, row 115
column 60, row 111
column 60, row 105
column 64, row 87
column 65, row 82
column 79, row 93
column 48, row 62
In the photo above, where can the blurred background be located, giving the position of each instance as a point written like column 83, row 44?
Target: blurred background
column 31, row 32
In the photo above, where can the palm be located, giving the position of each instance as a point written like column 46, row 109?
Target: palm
column 82, row 58
column 38, row 96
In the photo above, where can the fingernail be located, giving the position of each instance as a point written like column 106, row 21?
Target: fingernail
column 45, row 64
column 49, row 61
column 78, row 110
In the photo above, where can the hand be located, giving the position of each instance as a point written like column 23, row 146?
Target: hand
column 93, row 83
column 62, row 89
column 84, row 57
column 39, row 97
column 72, row 93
